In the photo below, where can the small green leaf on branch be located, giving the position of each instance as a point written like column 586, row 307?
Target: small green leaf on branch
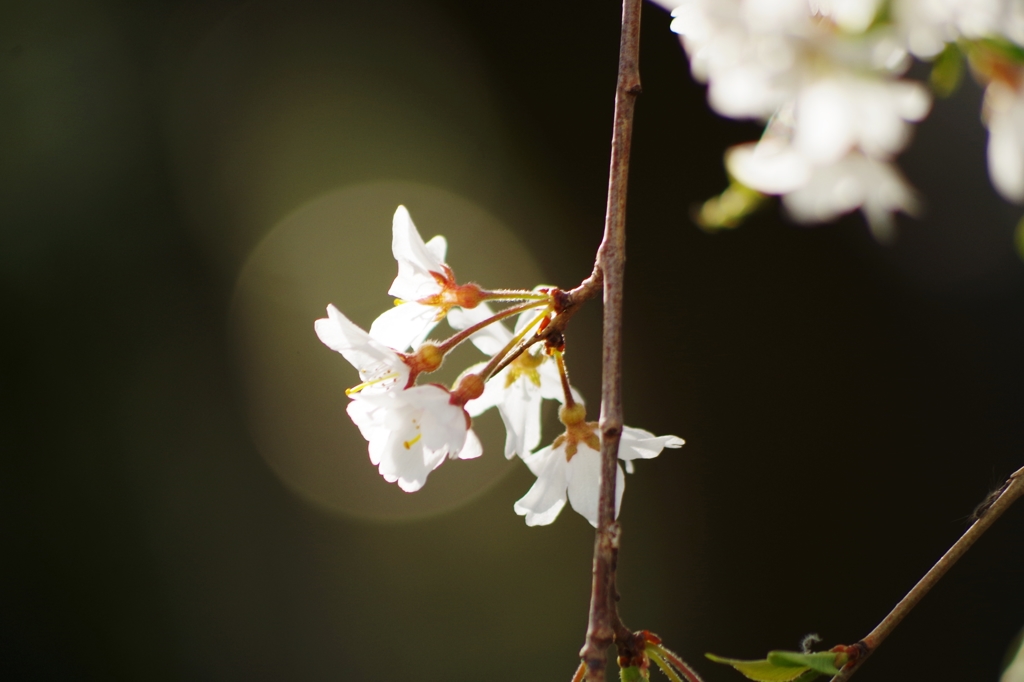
column 825, row 662
column 765, row 671
column 728, row 209
column 788, row 666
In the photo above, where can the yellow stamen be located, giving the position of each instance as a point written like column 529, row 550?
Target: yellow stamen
column 399, row 301
column 409, row 443
column 367, row 384
column 525, row 366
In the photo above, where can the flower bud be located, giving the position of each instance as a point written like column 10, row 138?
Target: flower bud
column 427, row 358
column 469, row 295
column 468, row 387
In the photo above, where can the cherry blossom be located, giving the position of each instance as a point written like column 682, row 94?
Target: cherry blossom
column 425, row 287
column 827, row 81
column 519, row 389
column 380, row 368
column 819, row 194
column 570, row 469
column 412, row 431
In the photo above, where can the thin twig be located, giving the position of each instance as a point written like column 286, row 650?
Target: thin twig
column 604, row 624
column 986, row 515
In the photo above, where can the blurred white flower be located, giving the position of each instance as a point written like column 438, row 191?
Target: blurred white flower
column 410, row 432
column 876, row 187
column 926, row 26
column 1004, row 115
column 519, row 389
column 853, row 16
column 819, row 193
column 380, row 368
column 841, row 112
column 570, row 469
column 826, row 78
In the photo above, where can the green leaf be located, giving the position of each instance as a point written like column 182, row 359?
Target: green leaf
column 823, row 662
column 947, row 71
column 728, row 209
column 767, row 671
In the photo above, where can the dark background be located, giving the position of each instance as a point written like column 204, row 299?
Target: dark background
column 845, row 405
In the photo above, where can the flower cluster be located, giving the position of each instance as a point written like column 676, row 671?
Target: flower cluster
column 414, row 428
column 826, row 76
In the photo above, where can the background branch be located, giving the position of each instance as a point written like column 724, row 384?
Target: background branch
column 604, row 623
column 990, row 510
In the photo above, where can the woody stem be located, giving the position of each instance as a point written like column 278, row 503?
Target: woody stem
column 604, row 625
column 1007, row 495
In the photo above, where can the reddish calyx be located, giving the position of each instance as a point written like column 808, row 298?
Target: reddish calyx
column 452, row 293
column 468, row 387
column 427, row 358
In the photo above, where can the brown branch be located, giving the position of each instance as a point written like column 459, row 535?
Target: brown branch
column 604, row 625
column 990, row 510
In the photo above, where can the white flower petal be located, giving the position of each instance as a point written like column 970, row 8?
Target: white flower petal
column 416, row 262
column 437, row 247
column 769, row 166
column 492, row 338
column 411, row 431
column 370, row 357
column 545, row 499
column 1004, row 108
column 583, row 477
column 472, row 448
column 640, row 444
column 520, row 411
column 404, row 326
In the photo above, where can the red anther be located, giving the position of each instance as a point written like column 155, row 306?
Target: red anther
column 544, row 323
column 650, row 637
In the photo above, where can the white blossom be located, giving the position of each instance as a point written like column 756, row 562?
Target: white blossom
column 1004, row 114
column 927, row 26
column 519, row 389
column 571, row 470
column 820, row 194
column 380, row 368
column 826, row 79
column 410, row 432
column 421, row 273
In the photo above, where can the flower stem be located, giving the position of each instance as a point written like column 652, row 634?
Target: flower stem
column 670, row 673
column 673, row 660
column 451, row 342
column 604, row 624
column 564, row 374
column 513, row 295
column 492, row 367
column 991, row 510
